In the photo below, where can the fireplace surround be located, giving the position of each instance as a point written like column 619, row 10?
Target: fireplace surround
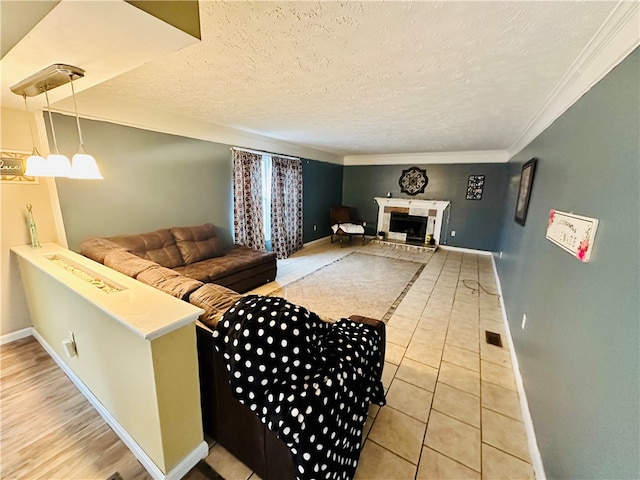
column 432, row 211
column 413, row 226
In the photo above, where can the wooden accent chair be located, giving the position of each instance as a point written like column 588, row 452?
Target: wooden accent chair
column 343, row 225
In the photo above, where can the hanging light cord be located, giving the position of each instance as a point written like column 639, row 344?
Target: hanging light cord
column 33, row 138
column 75, row 107
column 53, row 130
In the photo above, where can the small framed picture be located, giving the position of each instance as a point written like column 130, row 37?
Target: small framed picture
column 475, row 186
column 12, row 167
column 524, row 190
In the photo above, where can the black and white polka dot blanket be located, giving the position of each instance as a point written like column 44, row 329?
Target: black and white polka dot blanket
column 309, row 381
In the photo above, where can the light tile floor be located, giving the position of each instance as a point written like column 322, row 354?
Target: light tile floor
column 452, row 406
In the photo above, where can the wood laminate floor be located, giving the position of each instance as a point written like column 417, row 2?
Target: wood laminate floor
column 48, row 430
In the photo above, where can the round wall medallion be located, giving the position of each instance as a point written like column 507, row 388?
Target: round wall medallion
column 413, row 181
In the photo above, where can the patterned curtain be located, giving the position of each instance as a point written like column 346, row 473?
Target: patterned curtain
column 286, row 205
column 247, row 200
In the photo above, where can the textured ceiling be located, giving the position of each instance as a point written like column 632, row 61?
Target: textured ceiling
column 370, row 78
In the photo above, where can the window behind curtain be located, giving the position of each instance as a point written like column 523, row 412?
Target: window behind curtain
column 266, row 198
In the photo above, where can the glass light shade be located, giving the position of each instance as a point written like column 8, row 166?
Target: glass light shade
column 84, row 166
column 37, row 166
column 59, row 165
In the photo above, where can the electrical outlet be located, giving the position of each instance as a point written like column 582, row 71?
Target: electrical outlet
column 524, row 320
column 500, row 255
column 315, row 227
column 453, row 233
column 69, row 345
column 364, row 224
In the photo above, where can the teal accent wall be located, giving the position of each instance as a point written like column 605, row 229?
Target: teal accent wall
column 152, row 180
column 322, row 189
column 477, row 222
column 579, row 353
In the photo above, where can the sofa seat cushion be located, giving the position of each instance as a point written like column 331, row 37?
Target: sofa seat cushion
column 197, row 243
column 127, row 263
column 214, row 300
column 235, row 260
column 158, row 246
column 169, row 281
column 97, row 248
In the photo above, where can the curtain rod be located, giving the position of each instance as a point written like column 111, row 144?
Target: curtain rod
column 263, row 153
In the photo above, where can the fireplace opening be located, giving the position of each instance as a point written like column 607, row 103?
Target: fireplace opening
column 413, row 225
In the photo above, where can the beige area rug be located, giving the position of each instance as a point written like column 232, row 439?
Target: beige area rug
column 357, row 284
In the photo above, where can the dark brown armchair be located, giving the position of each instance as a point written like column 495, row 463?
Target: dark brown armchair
column 343, row 225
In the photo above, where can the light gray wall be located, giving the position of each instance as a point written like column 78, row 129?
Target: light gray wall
column 152, row 180
column 579, row 353
column 476, row 222
column 156, row 180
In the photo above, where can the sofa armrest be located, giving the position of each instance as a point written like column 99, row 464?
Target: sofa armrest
column 380, row 327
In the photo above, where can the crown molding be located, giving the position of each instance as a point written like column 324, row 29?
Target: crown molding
column 618, row 36
column 106, row 109
column 428, row 158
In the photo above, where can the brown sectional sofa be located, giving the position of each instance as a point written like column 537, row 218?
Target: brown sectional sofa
column 188, row 264
column 193, row 252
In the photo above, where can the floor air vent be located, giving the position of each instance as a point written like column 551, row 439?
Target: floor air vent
column 493, row 338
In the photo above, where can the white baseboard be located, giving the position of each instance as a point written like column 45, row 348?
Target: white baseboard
column 317, row 241
column 465, row 250
column 17, row 335
column 188, row 462
column 534, row 451
column 178, row 472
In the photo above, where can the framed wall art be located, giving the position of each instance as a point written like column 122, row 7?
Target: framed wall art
column 524, row 190
column 413, row 180
column 12, row 167
column 573, row 233
column 475, row 187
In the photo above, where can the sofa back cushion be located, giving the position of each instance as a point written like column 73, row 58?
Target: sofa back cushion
column 158, row 246
column 127, row 263
column 98, row 248
column 169, row 281
column 197, row 243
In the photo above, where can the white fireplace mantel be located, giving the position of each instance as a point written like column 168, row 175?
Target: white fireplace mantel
column 423, row 208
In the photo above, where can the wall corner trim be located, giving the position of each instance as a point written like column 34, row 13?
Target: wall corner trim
column 534, row 451
column 618, row 36
column 465, row 250
column 188, row 462
column 428, row 158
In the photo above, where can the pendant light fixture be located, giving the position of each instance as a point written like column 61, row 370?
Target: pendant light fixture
column 59, row 165
column 84, row 165
column 36, row 164
column 56, row 164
